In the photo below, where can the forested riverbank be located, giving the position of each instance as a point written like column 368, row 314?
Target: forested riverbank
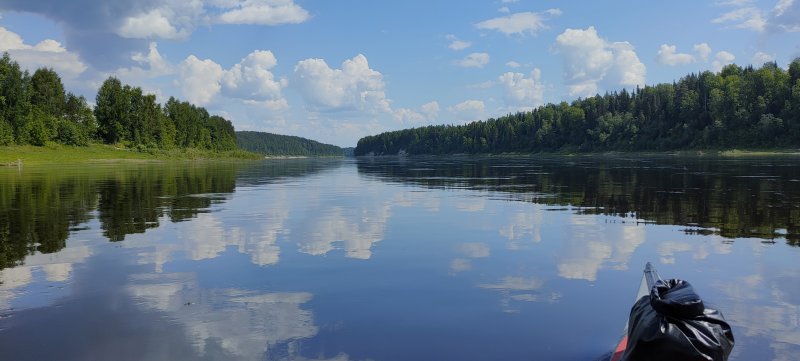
column 42, row 122
column 35, row 110
column 738, row 107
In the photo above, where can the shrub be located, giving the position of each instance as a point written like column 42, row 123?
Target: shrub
column 6, row 133
column 70, row 133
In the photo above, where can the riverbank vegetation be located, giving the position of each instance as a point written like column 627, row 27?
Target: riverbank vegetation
column 54, row 153
column 738, row 107
column 36, row 111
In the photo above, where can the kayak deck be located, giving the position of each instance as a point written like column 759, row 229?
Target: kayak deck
column 649, row 278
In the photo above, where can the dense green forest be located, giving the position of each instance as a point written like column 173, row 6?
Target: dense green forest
column 736, row 107
column 274, row 144
column 35, row 109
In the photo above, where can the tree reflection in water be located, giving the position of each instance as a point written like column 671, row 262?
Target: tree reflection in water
column 756, row 197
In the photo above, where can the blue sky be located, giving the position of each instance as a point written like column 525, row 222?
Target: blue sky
column 335, row 71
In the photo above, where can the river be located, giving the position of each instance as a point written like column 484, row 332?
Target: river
column 440, row 258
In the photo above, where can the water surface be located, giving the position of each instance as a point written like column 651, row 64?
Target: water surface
column 388, row 259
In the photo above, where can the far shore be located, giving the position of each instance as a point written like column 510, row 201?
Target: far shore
column 286, row 157
column 20, row 155
column 675, row 153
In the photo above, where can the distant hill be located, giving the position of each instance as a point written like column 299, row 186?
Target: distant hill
column 276, row 144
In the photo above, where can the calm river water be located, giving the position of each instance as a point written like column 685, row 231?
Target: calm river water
column 389, row 259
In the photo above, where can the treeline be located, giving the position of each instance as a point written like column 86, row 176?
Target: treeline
column 35, row 109
column 737, row 107
column 274, row 144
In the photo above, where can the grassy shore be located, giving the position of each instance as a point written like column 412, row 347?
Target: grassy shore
column 723, row 153
column 56, row 153
column 759, row 153
column 711, row 153
column 102, row 153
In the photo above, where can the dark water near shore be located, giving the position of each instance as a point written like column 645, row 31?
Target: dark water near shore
column 388, row 259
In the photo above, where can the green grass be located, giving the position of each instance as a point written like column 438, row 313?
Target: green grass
column 758, row 153
column 57, row 153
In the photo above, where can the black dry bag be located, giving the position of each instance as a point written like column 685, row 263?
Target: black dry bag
column 672, row 323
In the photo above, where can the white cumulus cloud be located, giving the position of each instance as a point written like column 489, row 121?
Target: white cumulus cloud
column 759, row 58
column 406, row 115
column 519, row 23
column 106, row 32
column 554, row 12
column 521, row 91
column 353, row 87
column 173, row 19
column 199, row 80
column 782, row 6
column 468, row 110
column 49, row 45
column 152, row 24
column 785, row 16
column 668, row 55
column 456, row 44
column 459, row 45
column 151, row 65
column 154, row 60
column 587, row 59
column 590, row 61
column 10, row 40
column 264, row 12
column 427, row 112
column 743, row 18
column 47, row 53
column 165, row 19
column 431, row 110
column 703, row 50
column 513, row 64
column 626, row 70
column 721, row 59
column 474, row 60
column 252, row 79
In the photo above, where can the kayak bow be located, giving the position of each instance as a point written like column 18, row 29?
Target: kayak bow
column 649, row 278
